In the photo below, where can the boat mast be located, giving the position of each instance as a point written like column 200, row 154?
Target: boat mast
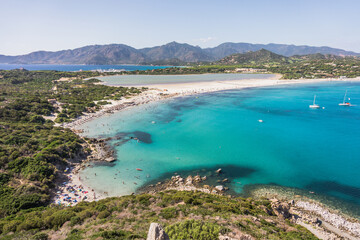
column 345, row 96
column 314, row 99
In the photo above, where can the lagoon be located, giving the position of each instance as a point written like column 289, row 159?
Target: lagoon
column 316, row 150
column 140, row 80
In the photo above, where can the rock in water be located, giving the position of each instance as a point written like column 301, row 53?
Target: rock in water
column 220, row 188
column 156, row 232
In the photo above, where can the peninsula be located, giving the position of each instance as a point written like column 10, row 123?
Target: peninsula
column 41, row 114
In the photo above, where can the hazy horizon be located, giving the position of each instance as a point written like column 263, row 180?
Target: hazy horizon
column 40, row 50
column 29, row 26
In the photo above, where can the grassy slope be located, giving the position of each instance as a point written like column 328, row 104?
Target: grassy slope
column 183, row 214
column 33, row 152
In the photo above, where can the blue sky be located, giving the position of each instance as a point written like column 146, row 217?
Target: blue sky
column 27, row 26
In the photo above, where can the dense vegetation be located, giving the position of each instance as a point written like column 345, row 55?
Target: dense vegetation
column 257, row 58
column 33, row 152
column 308, row 66
column 129, row 217
column 81, row 96
column 319, row 68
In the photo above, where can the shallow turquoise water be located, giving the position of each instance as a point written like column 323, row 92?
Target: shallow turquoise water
column 134, row 80
column 317, row 150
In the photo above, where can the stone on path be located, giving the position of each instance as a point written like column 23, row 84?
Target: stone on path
column 156, row 232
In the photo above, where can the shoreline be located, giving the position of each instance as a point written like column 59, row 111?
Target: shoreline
column 320, row 219
column 160, row 92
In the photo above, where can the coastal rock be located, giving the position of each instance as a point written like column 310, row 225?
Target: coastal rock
column 189, row 180
column 337, row 220
column 176, row 180
column 280, row 208
column 239, row 236
column 156, row 232
column 110, row 159
column 197, row 179
column 220, row 188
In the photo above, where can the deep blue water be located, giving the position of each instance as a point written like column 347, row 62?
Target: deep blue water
column 71, row 68
column 295, row 146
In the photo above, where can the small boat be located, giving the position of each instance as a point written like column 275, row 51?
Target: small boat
column 314, row 105
column 260, row 120
column 139, row 169
column 344, row 103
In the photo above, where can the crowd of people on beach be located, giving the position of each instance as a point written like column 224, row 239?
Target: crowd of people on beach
column 70, row 192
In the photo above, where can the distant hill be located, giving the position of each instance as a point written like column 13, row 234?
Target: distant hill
column 184, row 52
column 318, row 56
column 261, row 56
column 226, row 49
column 177, row 53
column 96, row 54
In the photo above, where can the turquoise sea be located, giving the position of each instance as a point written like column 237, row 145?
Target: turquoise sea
column 75, row 67
column 316, row 150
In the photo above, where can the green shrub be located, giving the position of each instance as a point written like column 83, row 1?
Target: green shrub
column 75, row 220
column 143, row 199
column 191, row 229
column 11, row 226
column 104, row 214
column 116, row 234
column 37, row 119
column 40, row 236
column 101, row 207
column 30, row 223
column 59, row 218
column 85, row 214
column 168, row 213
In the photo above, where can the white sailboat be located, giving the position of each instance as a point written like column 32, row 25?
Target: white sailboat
column 314, row 105
column 344, row 103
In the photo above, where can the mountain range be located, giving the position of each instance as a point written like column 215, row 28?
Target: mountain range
column 171, row 53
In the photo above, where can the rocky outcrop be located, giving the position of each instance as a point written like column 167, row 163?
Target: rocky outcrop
column 241, row 236
column 190, row 183
column 281, row 209
column 336, row 220
column 156, row 232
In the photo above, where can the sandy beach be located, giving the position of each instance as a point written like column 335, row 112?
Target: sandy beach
column 158, row 92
